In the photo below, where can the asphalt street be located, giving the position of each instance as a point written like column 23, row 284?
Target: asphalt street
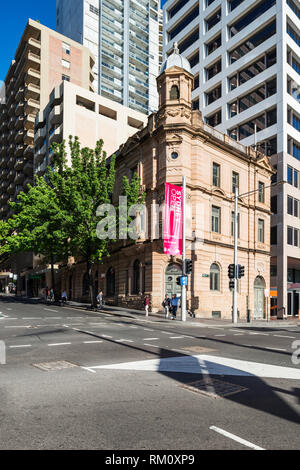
column 76, row 379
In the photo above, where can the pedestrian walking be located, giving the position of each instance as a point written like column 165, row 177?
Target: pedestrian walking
column 147, row 305
column 100, row 300
column 166, row 304
column 51, row 295
column 64, row 298
column 174, row 305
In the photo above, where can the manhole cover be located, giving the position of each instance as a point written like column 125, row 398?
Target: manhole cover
column 58, row 365
column 214, row 388
column 198, row 349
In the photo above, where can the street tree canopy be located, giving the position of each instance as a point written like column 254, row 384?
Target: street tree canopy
column 58, row 217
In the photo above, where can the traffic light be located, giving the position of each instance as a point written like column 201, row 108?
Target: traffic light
column 178, row 281
column 188, row 266
column 231, row 271
column 231, row 285
column 241, row 271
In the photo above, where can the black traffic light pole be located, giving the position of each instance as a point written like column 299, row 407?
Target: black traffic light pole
column 235, row 256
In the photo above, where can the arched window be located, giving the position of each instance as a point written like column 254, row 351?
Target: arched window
column 85, row 284
column 214, row 277
column 110, row 282
column 174, row 93
column 136, row 277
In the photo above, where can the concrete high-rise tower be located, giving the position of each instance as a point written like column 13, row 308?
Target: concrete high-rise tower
column 125, row 38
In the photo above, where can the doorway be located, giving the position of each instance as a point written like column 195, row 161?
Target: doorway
column 293, row 302
column 259, row 297
column 172, row 272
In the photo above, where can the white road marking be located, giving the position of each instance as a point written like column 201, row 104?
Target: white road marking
column 105, row 336
column 89, row 369
column 21, row 346
column 92, row 342
column 235, row 438
column 152, row 345
column 263, row 334
column 52, row 318
column 282, row 336
column 219, row 335
column 238, row 334
column 135, row 327
column 208, row 365
column 9, row 309
column 176, row 337
column 18, row 326
column 124, row 341
column 151, row 339
column 59, row 344
column 276, row 349
column 50, row 310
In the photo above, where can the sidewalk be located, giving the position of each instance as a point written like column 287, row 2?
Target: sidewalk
column 159, row 317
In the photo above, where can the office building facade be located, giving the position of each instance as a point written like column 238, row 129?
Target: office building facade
column 75, row 111
column 43, row 59
column 125, row 38
column 245, row 55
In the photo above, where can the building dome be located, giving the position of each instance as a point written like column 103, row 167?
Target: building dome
column 176, row 60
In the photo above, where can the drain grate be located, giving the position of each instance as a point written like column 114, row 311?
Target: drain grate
column 198, row 349
column 58, row 365
column 214, row 388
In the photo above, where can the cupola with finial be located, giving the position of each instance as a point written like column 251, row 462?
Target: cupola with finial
column 174, row 85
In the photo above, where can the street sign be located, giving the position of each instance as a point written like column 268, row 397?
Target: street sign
column 205, row 275
column 183, row 281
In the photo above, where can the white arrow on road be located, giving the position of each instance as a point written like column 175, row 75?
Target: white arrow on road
column 204, row 364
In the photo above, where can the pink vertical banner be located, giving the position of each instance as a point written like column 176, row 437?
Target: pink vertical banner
column 173, row 220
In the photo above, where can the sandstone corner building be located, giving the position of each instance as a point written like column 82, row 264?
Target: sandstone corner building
column 174, row 143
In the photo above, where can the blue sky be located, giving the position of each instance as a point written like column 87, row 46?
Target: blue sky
column 16, row 14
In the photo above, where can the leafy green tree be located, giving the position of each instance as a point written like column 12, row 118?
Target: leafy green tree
column 38, row 225
column 134, row 197
column 81, row 186
column 58, row 216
